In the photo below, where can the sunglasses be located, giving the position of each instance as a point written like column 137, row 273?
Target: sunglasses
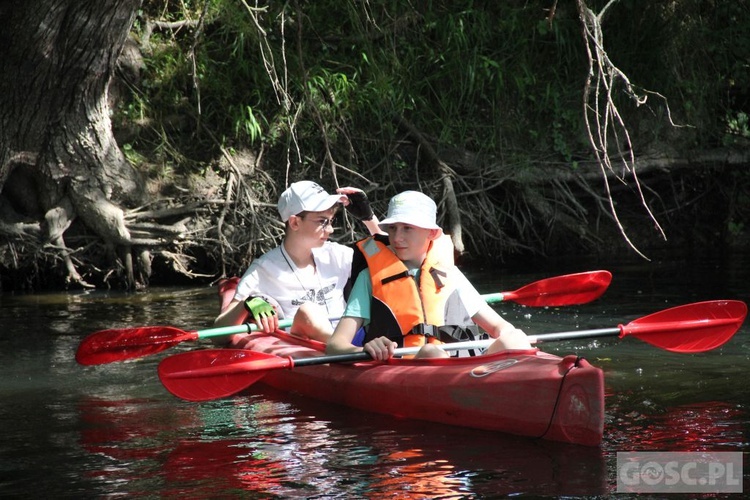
column 322, row 222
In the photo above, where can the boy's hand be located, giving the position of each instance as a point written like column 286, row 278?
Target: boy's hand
column 359, row 205
column 263, row 313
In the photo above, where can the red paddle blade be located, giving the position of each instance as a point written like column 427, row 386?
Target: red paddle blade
column 567, row 290
column 697, row 327
column 108, row 346
column 216, row 373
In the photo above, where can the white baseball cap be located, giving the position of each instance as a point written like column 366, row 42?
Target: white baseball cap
column 306, row 196
column 413, row 208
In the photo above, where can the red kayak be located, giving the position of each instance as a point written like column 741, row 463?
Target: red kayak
column 528, row 393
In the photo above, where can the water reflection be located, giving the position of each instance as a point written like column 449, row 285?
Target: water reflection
column 199, row 469
column 708, row 426
column 269, row 445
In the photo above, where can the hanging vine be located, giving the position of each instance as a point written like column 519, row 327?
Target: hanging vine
column 606, row 128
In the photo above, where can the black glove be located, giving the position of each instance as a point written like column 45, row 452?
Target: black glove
column 359, row 206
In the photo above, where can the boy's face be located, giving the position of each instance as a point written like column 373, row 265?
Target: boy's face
column 410, row 243
column 315, row 227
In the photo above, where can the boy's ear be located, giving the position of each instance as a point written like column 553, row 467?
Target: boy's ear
column 434, row 234
column 294, row 222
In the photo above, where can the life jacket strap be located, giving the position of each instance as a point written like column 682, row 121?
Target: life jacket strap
column 404, row 274
column 447, row 333
column 436, row 276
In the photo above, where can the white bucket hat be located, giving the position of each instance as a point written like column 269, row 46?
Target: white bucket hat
column 306, row 196
column 413, row 208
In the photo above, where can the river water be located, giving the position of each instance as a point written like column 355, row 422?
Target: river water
column 113, row 430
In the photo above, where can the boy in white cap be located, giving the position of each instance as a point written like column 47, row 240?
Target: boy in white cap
column 409, row 292
column 304, row 277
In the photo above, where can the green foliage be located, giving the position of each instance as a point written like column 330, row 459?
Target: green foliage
column 736, row 228
column 246, row 125
column 483, row 76
column 738, row 126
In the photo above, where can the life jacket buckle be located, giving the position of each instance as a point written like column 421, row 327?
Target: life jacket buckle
column 425, row 330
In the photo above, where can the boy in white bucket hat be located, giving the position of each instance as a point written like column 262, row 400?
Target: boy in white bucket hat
column 410, row 294
column 414, row 208
column 304, row 277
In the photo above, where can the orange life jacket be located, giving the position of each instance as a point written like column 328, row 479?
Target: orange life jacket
column 402, row 309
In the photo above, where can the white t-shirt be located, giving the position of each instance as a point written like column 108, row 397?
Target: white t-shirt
column 275, row 275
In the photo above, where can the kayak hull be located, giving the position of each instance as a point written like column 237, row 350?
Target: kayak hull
column 528, row 392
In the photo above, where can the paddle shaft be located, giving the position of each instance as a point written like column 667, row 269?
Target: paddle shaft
column 475, row 344
column 233, row 329
column 128, row 343
column 619, row 331
column 289, row 363
column 490, row 298
column 460, row 346
column 244, row 366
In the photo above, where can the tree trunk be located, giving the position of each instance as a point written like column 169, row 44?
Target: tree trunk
column 59, row 160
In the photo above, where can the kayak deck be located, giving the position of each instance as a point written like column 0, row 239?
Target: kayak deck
column 528, row 392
